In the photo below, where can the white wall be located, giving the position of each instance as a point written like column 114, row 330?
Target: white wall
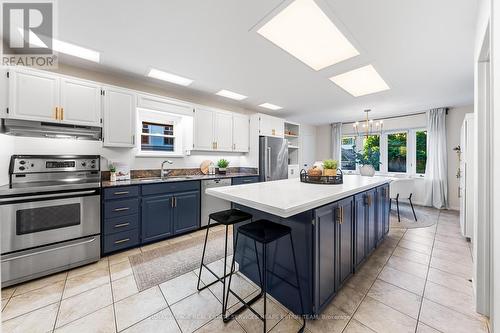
column 454, row 121
column 307, row 145
column 6, row 150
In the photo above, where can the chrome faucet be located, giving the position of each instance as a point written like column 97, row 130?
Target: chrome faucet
column 165, row 173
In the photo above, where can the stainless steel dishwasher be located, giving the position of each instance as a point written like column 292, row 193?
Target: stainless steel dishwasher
column 210, row 204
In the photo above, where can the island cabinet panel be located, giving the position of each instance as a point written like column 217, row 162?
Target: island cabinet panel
column 344, row 230
column 334, row 248
column 382, row 203
column 326, row 272
column 157, row 217
column 371, row 220
column 360, row 226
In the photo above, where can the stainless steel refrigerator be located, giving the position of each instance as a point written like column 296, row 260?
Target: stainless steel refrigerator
column 273, row 158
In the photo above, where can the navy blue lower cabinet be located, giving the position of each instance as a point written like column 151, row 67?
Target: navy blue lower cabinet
column 244, row 180
column 325, row 272
column 186, row 211
column 360, row 226
column 157, row 217
column 344, row 239
column 386, row 207
column 371, row 220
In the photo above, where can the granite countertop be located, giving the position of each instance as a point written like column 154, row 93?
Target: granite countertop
column 288, row 197
column 153, row 180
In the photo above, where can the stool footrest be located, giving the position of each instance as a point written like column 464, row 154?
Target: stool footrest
column 219, row 279
column 246, row 305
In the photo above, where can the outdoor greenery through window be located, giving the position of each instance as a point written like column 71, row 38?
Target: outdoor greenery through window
column 371, row 150
column 397, row 152
column 157, row 137
column 348, row 153
column 421, row 151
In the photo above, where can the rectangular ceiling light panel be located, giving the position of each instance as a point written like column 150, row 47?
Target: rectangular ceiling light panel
column 270, row 106
column 169, row 77
column 361, row 81
column 231, row 94
column 303, row 30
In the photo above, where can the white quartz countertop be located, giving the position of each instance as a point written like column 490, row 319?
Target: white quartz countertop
column 290, row 196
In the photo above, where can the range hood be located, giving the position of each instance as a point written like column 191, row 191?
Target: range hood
column 49, row 130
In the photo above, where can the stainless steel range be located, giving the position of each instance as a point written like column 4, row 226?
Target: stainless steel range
column 50, row 215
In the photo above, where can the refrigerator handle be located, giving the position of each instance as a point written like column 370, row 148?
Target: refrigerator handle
column 268, row 166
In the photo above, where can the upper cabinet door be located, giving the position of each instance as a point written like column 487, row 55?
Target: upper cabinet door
column 204, row 129
column 80, row 102
column 119, row 117
column 271, row 126
column 241, row 133
column 33, row 96
column 223, row 131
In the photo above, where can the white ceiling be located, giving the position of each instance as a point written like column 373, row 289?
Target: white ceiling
column 422, row 48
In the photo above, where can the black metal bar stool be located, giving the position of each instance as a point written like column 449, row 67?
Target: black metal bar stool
column 263, row 232
column 227, row 218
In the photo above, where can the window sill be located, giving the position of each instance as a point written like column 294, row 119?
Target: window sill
column 158, row 154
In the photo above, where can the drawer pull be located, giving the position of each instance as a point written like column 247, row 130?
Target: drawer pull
column 121, row 225
column 121, row 209
column 121, row 193
column 122, row 240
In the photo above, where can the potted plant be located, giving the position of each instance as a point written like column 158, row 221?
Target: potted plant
column 222, row 164
column 112, row 170
column 330, row 168
column 368, row 159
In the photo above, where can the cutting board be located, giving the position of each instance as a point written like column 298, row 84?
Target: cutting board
column 204, row 166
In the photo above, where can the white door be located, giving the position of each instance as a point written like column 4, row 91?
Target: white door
column 241, row 132
column 119, row 117
column 204, row 129
column 223, row 131
column 33, row 96
column 80, row 102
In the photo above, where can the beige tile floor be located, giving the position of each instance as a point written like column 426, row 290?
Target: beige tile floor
column 416, row 281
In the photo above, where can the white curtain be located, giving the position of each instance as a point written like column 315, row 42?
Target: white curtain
column 336, row 141
column 436, row 171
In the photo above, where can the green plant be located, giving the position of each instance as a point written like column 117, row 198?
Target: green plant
column 112, row 168
column 369, row 156
column 330, row 164
column 222, row 163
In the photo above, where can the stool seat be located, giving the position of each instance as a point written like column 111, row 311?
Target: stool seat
column 230, row 216
column 264, row 231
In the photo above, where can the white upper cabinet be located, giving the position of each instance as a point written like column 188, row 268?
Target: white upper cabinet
column 204, row 121
column 42, row 96
column 80, row 102
column 223, row 131
column 271, row 126
column 33, row 96
column 217, row 130
column 241, row 133
column 119, row 117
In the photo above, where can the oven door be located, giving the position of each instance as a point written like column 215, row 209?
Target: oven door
column 40, row 219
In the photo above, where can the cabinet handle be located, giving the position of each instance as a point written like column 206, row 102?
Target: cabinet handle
column 172, row 202
column 62, row 114
column 175, row 202
column 121, row 225
column 56, row 113
column 121, row 193
column 216, row 144
column 234, row 146
column 133, row 139
column 121, row 209
column 122, row 240
column 341, row 214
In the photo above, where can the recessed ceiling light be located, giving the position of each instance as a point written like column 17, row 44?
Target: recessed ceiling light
column 66, row 48
column 303, row 30
column 271, row 106
column 361, row 81
column 169, row 77
column 231, row 94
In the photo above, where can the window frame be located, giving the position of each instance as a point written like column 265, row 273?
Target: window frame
column 160, row 118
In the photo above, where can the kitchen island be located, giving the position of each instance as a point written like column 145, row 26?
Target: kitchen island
column 334, row 229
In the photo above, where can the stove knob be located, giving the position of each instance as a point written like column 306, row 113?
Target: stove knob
column 22, row 168
column 93, row 166
column 22, row 162
column 84, row 164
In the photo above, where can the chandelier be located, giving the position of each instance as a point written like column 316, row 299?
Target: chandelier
column 369, row 127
